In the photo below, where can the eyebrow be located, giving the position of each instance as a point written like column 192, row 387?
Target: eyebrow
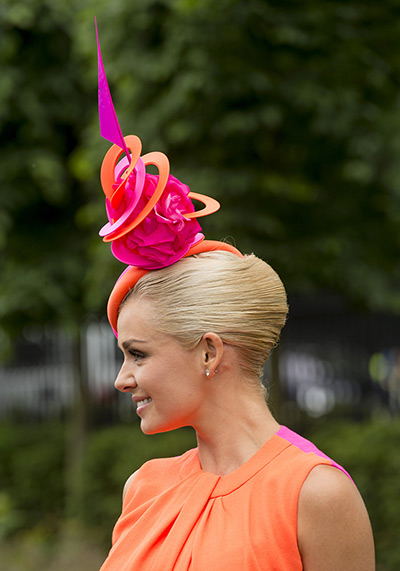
column 128, row 343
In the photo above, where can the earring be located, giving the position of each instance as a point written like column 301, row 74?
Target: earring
column 207, row 373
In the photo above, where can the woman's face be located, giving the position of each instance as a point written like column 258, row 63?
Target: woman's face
column 165, row 379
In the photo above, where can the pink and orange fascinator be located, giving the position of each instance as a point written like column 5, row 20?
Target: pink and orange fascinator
column 152, row 222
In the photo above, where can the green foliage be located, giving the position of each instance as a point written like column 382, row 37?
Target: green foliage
column 287, row 112
column 43, row 103
column 370, row 452
column 31, row 476
column 113, row 454
column 10, row 518
column 33, row 479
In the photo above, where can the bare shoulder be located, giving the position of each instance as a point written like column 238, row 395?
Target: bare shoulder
column 128, row 484
column 334, row 531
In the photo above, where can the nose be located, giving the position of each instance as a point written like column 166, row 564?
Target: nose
column 125, row 380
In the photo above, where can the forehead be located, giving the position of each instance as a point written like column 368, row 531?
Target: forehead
column 136, row 315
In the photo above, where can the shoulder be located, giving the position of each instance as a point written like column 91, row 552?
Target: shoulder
column 334, row 531
column 157, row 474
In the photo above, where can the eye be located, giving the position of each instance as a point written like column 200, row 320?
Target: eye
column 137, row 355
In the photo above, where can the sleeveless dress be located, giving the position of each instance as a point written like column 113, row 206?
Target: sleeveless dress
column 176, row 517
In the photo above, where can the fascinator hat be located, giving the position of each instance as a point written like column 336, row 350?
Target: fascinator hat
column 152, row 222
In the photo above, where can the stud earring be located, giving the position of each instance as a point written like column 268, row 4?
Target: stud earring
column 207, row 373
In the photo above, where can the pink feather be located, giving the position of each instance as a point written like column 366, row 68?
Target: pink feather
column 109, row 126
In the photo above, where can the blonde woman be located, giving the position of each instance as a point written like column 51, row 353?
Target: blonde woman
column 253, row 495
column 196, row 321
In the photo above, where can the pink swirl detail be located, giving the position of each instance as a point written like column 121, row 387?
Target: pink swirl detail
column 129, row 202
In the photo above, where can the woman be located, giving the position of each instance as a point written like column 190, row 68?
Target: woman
column 196, row 321
column 194, row 337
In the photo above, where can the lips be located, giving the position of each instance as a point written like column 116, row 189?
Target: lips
column 142, row 403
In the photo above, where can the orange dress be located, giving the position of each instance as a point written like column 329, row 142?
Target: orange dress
column 176, row 517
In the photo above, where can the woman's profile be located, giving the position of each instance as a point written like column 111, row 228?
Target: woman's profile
column 196, row 321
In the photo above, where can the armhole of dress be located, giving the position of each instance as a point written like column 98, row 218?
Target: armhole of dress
column 127, row 490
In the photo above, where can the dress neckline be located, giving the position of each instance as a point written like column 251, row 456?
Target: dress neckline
column 224, row 485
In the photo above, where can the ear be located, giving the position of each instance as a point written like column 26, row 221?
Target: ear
column 212, row 350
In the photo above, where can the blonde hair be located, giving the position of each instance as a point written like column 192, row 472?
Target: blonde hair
column 241, row 299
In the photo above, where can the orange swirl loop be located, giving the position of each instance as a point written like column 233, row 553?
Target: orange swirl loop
column 108, row 182
column 107, row 172
column 114, row 189
column 211, row 205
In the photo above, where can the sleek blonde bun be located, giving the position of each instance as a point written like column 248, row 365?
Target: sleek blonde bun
column 241, row 299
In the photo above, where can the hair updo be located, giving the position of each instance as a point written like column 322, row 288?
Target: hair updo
column 241, row 299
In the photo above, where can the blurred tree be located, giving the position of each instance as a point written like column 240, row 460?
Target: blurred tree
column 286, row 112
column 43, row 104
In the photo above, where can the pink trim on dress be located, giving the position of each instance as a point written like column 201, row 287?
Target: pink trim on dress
column 306, row 446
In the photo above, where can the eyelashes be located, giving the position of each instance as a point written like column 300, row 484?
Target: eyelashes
column 137, row 355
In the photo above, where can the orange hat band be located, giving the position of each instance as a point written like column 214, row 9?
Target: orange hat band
column 132, row 275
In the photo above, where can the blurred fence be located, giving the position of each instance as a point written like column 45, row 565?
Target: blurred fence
column 43, row 380
column 332, row 357
column 328, row 358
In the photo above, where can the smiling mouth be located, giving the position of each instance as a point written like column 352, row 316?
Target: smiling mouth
column 143, row 402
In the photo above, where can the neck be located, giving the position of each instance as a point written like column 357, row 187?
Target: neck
column 236, row 428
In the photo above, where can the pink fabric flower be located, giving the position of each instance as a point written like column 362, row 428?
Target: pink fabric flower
column 165, row 235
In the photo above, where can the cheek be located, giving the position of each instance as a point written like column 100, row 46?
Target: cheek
column 188, row 393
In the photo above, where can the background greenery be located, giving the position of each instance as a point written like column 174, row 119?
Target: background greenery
column 287, row 112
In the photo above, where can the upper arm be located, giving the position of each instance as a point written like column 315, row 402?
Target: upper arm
column 334, row 531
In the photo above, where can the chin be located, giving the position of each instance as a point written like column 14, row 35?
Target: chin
column 149, row 429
